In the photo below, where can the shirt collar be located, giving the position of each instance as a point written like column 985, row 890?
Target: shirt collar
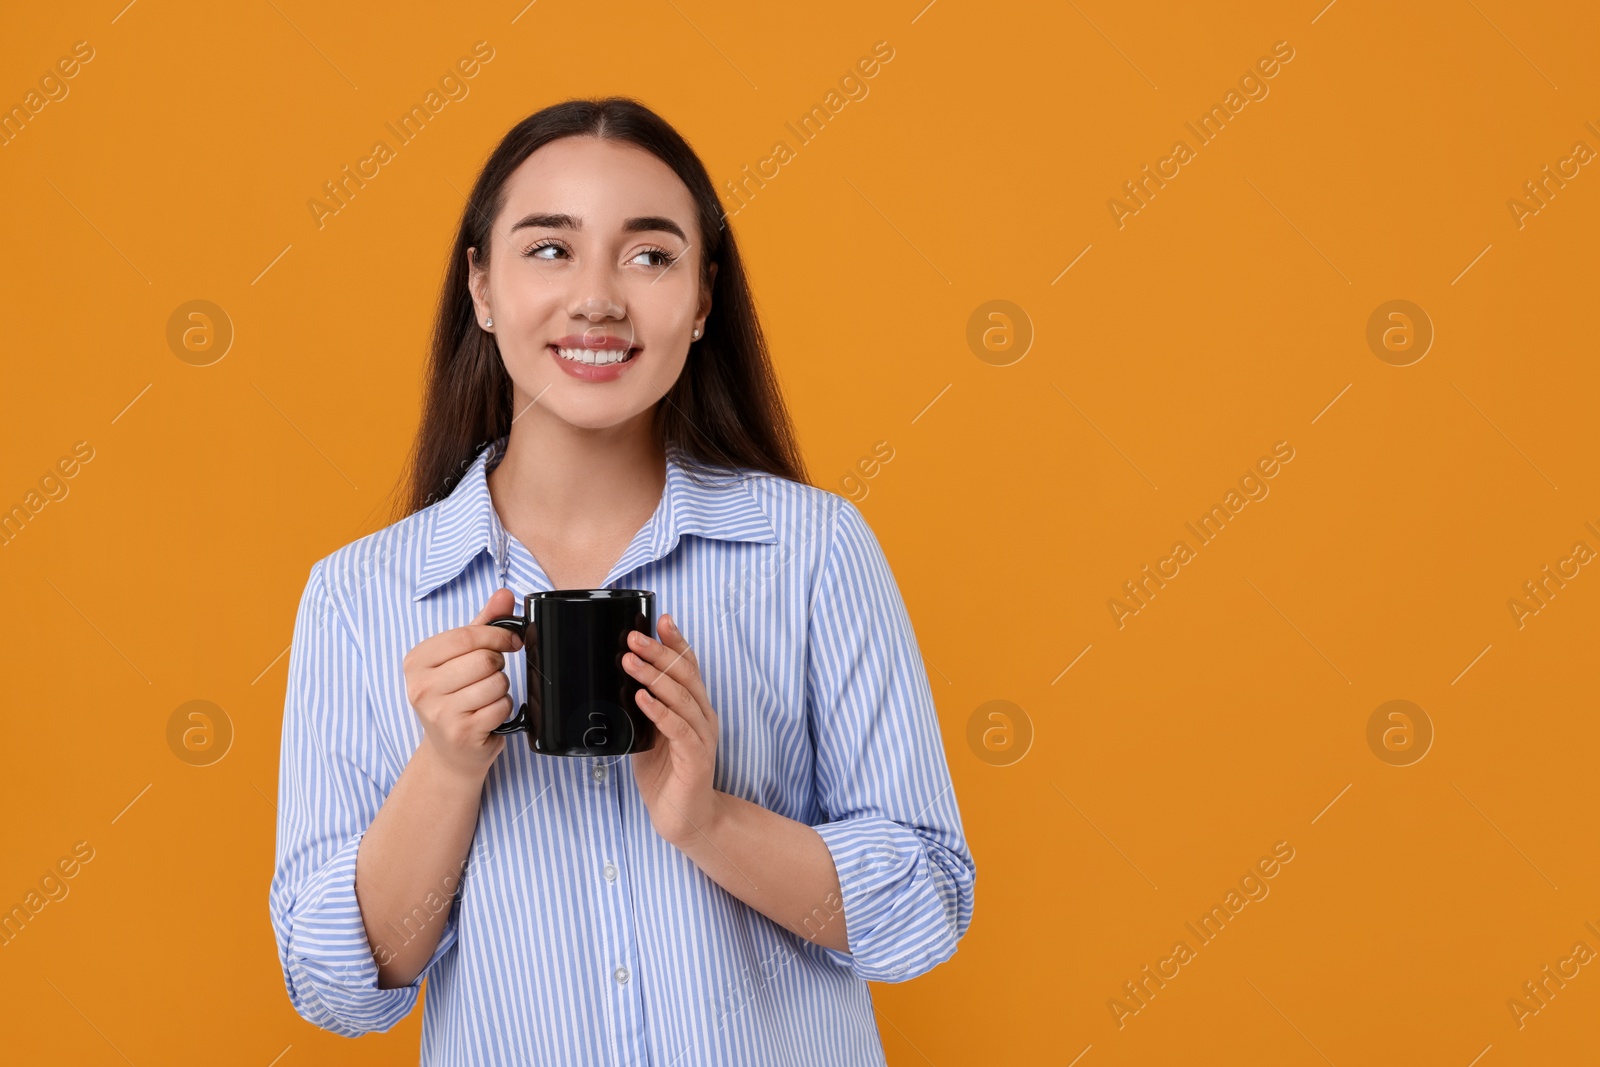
column 465, row 521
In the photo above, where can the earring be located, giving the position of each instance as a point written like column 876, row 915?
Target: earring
column 488, row 322
column 696, row 333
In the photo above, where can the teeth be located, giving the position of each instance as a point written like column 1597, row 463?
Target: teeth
column 599, row 357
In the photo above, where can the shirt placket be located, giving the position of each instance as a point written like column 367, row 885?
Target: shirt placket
column 619, row 943
column 615, row 951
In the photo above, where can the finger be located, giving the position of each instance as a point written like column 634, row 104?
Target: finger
column 674, row 637
column 493, row 713
column 449, row 645
column 501, row 601
column 479, row 695
column 464, row 670
column 675, row 698
column 663, row 686
column 676, row 661
column 679, row 643
column 681, row 666
column 446, row 646
column 671, row 724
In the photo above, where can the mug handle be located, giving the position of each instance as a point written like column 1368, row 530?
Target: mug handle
column 518, row 626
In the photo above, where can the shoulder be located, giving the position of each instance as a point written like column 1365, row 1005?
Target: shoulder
column 797, row 512
column 812, row 522
column 788, row 503
column 384, row 562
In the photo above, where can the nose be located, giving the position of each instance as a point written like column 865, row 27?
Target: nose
column 598, row 309
column 595, row 308
column 596, row 293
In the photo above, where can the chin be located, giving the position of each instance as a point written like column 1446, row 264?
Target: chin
column 596, row 415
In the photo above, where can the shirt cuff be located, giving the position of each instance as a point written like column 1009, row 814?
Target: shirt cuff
column 328, row 962
column 906, row 899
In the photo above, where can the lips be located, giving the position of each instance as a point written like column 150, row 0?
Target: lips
column 592, row 340
column 595, row 357
column 591, row 364
column 592, row 349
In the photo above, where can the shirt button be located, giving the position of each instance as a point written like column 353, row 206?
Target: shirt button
column 610, row 872
column 599, row 772
column 621, row 975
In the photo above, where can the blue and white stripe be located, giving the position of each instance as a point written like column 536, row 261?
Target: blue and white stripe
column 826, row 716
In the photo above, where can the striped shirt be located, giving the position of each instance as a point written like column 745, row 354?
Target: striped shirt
column 576, row 934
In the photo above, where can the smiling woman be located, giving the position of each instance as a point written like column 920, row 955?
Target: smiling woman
column 591, row 355
column 598, row 365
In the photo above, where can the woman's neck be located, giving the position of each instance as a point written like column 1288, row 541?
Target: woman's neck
column 558, row 484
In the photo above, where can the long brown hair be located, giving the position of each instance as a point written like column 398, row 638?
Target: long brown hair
column 725, row 410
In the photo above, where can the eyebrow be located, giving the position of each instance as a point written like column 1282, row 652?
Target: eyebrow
column 642, row 224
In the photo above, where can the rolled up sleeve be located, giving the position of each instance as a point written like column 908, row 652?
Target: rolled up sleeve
column 328, row 794
column 893, row 825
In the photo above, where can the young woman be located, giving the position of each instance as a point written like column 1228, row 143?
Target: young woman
column 601, row 412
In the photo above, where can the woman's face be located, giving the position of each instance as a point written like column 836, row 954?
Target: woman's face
column 596, row 253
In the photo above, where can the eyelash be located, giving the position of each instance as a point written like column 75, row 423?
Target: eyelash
column 668, row 256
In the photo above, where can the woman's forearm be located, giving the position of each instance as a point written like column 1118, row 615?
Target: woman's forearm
column 411, row 858
column 780, row 867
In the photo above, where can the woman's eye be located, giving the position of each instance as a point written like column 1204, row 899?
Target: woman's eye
column 667, row 258
column 533, row 253
column 664, row 258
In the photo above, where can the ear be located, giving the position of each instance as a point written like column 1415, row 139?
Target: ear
column 705, row 292
column 478, row 284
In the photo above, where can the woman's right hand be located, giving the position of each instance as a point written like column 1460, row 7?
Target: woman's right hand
column 457, row 683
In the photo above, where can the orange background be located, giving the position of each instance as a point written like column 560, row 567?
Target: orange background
column 1225, row 316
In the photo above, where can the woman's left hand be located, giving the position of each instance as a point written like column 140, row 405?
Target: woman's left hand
column 674, row 777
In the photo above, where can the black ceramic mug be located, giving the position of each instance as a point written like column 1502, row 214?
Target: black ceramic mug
column 581, row 699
